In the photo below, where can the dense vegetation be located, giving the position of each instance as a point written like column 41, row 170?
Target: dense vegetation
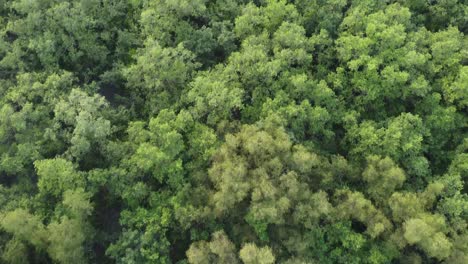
column 233, row 131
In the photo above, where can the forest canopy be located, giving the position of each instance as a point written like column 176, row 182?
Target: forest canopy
column 233, row 131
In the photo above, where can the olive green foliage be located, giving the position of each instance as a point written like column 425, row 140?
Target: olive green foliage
column 224, row 131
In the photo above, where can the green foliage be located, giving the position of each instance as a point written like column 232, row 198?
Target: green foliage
column 82, row 115
column 355, row 206
column 223, row 131
column 219, row 250
column 77, row 202
column 382, row 177
column 159, row 75
column 214, row 97
column 66, row 239
column 57, row 176
column 251, row 254
column 25, row 226
column 425, row 232
column 144, row 239
column 15, row 252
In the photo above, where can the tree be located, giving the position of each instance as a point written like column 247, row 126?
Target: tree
column 223, row 131
column 251, row 254
column 66, row 238
column 382, row 177
column 218, row 250
column 25, row 227
column 159, row 73
column 57, row 176
column 80, row 122
column 425, row 233
column 15, row 252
